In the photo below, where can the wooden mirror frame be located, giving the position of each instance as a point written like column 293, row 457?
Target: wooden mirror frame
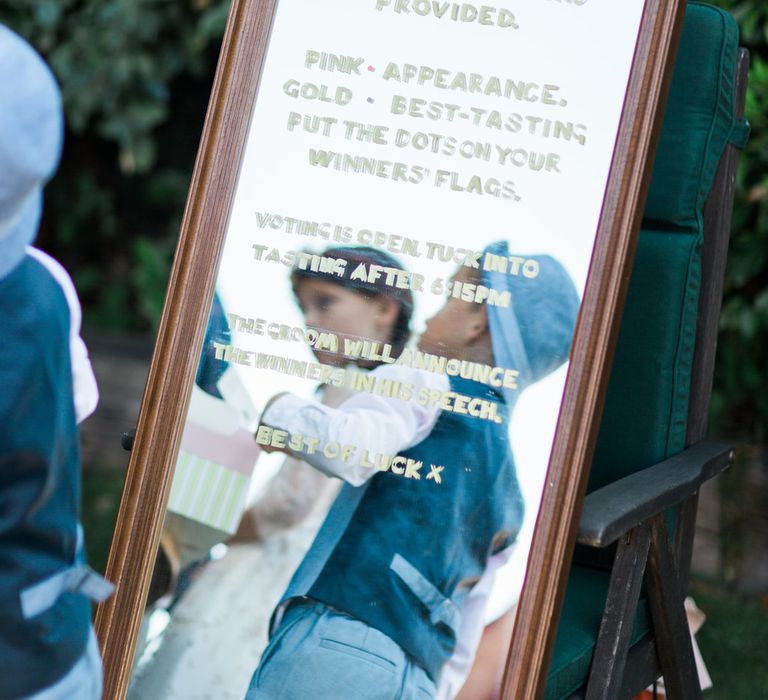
column 190, row 292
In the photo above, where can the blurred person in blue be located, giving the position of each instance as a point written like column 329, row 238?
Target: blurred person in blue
column 388, row 603
column 48, row 649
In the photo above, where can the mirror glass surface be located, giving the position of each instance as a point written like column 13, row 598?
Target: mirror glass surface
column 408, row 243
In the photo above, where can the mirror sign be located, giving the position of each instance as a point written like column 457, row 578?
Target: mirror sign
column 452, row 157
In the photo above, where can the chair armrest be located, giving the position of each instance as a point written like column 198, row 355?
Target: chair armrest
column 616, row 508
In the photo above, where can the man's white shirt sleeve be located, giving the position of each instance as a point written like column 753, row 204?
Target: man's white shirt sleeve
column 378, row 424
column 84, row 387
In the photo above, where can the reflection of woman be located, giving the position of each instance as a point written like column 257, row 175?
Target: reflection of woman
column 377, row 605
column 221, row 621
column 348, row 309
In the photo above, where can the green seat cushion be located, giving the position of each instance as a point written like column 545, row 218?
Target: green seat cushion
column 572, row 656
column 646, row 407
column 698, row 122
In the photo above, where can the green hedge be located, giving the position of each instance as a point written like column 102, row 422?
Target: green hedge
column 740, row 400
column 136, row 76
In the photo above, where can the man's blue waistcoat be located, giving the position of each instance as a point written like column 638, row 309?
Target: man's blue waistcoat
column 39, row 483
column 400, row 554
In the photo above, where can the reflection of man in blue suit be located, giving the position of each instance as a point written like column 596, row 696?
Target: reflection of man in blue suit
column 47, row 646
column 375, row 609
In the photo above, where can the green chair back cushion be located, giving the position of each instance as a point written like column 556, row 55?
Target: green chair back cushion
column 646, row 409
column 701, row 120
column 646, row 406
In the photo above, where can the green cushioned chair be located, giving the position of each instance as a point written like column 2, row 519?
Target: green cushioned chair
column 623, row 622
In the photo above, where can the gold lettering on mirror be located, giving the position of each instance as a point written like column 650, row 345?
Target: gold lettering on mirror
column 358, row 471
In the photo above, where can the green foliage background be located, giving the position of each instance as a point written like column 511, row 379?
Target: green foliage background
column 740, row 400
column 136, row 76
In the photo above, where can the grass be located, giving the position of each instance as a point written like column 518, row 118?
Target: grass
column 101, row 498
column 733, row 642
